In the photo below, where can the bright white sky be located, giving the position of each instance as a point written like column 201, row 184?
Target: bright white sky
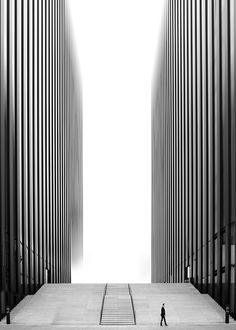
column 116, row 45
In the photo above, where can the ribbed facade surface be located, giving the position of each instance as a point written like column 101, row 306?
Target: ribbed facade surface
column 41, row 148
column 194, row 149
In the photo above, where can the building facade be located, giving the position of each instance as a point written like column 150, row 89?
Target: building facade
column 40, row 149
column 194, row 149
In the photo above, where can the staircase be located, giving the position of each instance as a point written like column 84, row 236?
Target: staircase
column 117, row 305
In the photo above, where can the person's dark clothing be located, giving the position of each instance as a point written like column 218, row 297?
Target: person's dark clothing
column 163, row 313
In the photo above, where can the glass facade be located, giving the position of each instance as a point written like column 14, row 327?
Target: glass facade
column 194, row 149
column 40, row 149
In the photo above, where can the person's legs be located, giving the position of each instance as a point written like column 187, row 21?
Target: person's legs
column 161, row 320
column 165, row 320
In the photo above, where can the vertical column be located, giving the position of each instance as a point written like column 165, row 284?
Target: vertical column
column 217, row 147
column 232, row 77
column 47, row 111
column 226, row 156
column 3, row 151
column 35, row 143
column 190, row 145
column 199, row 144
column 204, row 243
column 56, row 141
column 210, row 169
column 187, row 191
column 11, row 144
column 19, row 192
column 43, row 118
column 49, row 145
column 30, row 146
column 53, row 137
column 25, row 215
column 40, row 146
column 177, row 134
column 195, row 176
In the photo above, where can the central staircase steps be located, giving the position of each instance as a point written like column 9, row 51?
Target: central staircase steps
column 117, row 307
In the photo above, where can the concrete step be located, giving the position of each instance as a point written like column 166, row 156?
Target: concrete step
column 183, row 303
column 62, row 304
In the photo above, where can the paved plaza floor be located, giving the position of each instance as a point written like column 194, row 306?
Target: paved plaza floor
column 78, row 306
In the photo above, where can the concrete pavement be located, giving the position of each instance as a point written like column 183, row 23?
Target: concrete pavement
column 78, row 306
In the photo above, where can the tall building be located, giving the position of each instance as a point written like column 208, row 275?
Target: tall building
column 40, row 149
column 194, row 149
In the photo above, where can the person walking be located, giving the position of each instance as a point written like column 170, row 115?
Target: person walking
column 163, row 315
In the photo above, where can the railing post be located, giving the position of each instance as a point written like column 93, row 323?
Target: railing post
column 8, row 315
column 227, row 314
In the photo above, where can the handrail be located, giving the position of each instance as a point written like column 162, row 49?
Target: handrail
column 101, row 312
column 105, row 291
column 132, row 302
